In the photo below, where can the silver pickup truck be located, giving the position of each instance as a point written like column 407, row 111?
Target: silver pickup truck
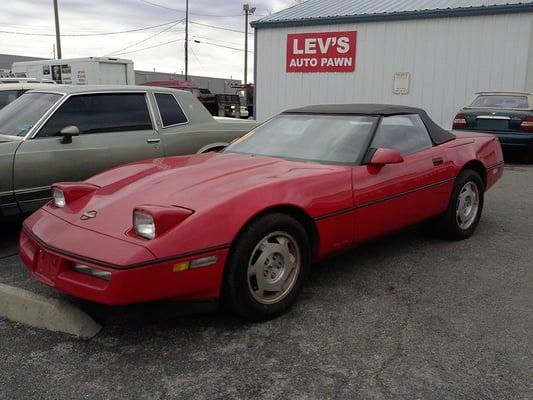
column 69, row 133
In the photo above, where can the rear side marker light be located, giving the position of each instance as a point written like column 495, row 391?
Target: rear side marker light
column 97, row 273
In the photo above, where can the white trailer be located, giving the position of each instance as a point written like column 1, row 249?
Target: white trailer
column 79, row 71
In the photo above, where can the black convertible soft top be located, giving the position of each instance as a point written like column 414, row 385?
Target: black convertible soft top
column 438, row 135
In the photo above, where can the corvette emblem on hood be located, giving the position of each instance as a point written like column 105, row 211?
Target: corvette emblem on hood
column 88, row 215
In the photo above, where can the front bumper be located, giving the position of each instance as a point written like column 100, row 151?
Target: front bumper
column 153, row 280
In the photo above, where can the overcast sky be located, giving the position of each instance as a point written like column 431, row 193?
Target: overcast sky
column 35, row 19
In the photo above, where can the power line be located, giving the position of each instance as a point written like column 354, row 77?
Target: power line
column 195, row 56
column 91, row 34
column 192, row 13
column 150, row 47
column 221, row 45
column 219, row 27
column 145, row 39
column 179, row 40
column 19, row 26
column 218, row 40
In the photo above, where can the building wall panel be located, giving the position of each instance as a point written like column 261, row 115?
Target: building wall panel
column 449, row 59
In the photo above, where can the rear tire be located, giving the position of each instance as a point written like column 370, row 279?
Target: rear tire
column 267, row 267
column 466, row 205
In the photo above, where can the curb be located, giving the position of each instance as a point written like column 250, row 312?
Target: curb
column 37, row 311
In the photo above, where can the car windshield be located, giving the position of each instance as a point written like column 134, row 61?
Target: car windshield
column 500, row 101
column 19, row 116
column 309, row 137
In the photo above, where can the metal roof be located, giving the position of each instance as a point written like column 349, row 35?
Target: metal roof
column 317, row 12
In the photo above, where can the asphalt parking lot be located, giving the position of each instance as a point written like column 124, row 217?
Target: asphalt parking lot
column 411, row 316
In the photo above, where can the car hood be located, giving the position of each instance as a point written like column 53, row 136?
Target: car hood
column 196, row 182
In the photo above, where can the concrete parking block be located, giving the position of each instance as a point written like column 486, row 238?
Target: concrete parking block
column 31, row 309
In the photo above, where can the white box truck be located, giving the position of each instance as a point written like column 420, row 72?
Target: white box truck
column 79, row 71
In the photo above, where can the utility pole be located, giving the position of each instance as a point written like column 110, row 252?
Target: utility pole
column 58, row 34
column 247, row 12
column 186, row 40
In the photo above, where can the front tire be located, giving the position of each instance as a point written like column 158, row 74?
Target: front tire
column 267, row 267
column 466, row 205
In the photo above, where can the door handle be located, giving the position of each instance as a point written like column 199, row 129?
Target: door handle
column 438, row 161
column 153, row 140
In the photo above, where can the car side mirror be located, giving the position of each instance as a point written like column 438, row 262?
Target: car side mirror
column 67, row 132
column 383, row 157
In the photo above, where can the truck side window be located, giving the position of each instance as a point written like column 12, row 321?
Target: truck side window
column 169, row 109
column 100, row 113
column 405, row 133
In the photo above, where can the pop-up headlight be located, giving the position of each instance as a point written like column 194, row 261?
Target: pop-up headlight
column 152, row 221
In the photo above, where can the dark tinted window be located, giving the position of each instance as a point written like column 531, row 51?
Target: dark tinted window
column 405, row 133
column 170, row 110
column 98, row 113
column 500, row 101
column 7, row 96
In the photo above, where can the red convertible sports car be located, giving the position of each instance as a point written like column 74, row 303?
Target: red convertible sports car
column 245, row 225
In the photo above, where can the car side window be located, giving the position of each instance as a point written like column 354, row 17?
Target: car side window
column 170, row 110
column 100, row 113
column 405, row 133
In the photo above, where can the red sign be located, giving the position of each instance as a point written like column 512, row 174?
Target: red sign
column 321, row 52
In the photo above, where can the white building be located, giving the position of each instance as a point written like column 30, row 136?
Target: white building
column 433, row 54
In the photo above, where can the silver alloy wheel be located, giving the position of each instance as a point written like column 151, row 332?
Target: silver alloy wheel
column 467, row 205
column 273, row 267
